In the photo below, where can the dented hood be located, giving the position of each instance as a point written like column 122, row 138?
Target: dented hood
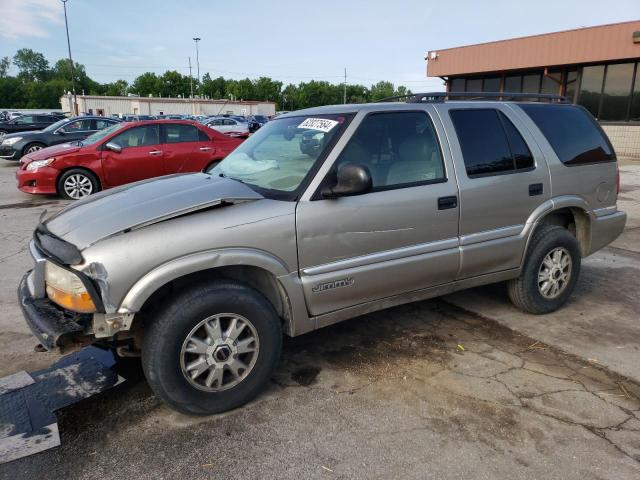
column 144, row 203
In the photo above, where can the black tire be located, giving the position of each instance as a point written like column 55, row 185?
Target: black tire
column 60, row 185
column 29, row 146
column 524, row 291
column 165, row 334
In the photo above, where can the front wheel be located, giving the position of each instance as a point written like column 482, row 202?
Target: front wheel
column 77, row 183
column 550, row 271
column 212, row 348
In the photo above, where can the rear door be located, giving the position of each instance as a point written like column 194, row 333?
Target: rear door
column 503, row 179
column 185, row 148
column 402, row 236
column 140, row 158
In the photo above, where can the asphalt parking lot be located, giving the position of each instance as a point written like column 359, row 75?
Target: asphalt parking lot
column 460, row 387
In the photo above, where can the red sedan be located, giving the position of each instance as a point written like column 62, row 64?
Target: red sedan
column 123, row 153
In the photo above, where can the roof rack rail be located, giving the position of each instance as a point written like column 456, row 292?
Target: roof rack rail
column 438, row 97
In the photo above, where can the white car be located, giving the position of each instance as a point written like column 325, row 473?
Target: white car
column 229, row 126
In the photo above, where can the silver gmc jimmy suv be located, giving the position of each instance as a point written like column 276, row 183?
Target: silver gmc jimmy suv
column 323, row 215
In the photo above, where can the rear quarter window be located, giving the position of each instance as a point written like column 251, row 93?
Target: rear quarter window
column 573, row 134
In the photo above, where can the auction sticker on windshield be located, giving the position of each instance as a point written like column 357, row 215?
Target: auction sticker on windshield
column 320, row 124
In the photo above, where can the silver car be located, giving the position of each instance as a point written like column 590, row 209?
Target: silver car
column 232, row 127
column 202, row 274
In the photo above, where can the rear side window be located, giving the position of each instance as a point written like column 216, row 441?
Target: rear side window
column 572, row 133
column 203, row 137
column 181, row 133
column 490, row 143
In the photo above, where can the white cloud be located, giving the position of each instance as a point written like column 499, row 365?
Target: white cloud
column 29, row 18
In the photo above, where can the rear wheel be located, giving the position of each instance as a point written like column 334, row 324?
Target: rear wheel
column 212, row 348
column 550, row 271
column 77, row 183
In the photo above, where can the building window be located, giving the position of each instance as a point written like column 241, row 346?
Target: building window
column 590, row 88
column 474, row 85
column 635, row 101
column 531, row 83
column 551, row 82
column 513, row 84
column 457, row 85
column 617, row 92
column 570, row 80
column 491, row 84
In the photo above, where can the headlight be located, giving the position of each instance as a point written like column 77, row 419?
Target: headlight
column 11, row 141
column 36, row 164
column 66, row 289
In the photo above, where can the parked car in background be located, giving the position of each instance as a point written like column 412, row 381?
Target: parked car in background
column 123, row 153
column 231, row 127
column 14, row 145
column 402, row 202
column 137, row 118
column 25, row 123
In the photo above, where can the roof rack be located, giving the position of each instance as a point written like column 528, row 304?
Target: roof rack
column 438, row 97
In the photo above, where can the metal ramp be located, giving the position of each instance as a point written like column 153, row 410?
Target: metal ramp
column 28, row 401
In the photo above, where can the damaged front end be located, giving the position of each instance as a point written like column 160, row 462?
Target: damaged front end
column 51, row 313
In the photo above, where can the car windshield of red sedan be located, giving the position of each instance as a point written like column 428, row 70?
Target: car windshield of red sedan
column 280, row 155
column 100, row 134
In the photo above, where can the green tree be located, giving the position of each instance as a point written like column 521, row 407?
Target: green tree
column 145, row 84
column 115, row 89
column 32, row 66
column 5, row 63
column 172, row 84
column 214, row 88
column 381, row 90
column 266, row 89
column 12, row 93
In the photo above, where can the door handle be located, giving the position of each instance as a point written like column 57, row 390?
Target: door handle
column 155, row 152
column 445, row 203
column 536, row 189
column 205, row 149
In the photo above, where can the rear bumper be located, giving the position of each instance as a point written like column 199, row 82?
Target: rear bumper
column 41, row 181
column 52, row 326
column 606, row 227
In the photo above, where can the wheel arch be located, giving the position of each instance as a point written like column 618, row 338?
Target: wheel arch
column 569, row 212
column 29, row 144
column 259, row 270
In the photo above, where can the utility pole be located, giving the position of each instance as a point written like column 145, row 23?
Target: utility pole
column 193, row 105
column 197, row 39
column 73, row 83
column 345, row 86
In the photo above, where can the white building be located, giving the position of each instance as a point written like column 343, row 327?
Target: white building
column 109, row 106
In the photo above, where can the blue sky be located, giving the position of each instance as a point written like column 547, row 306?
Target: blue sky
column 288, row 40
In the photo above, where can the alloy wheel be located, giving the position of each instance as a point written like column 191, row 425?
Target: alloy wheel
column 34, row 148
column 554, row 273
column 78, row 186
column 219, row 352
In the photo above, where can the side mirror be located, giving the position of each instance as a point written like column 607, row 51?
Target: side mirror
column 114, row 147
column 352, row 180
column 60, row 131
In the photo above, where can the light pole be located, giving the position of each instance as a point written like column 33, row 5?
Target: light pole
column 73, row 83
column 197, row 39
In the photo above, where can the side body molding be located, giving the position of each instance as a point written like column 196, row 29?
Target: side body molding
column 179, row 267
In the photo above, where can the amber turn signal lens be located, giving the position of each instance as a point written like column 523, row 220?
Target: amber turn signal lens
column 76, row 302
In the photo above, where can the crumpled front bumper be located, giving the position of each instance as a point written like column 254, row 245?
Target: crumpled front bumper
column 51, row 325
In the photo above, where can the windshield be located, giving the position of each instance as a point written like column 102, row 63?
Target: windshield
column 100, row 134
column 279, row 156
column 58, row 124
